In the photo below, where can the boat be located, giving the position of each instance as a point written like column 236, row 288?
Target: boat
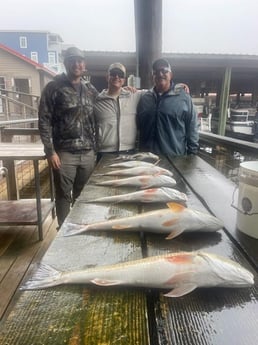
column 240, row 121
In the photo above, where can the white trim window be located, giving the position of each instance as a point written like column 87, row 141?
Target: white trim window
column 34, row 56
column 51, row 58
column 23, row 42
column 2, row 82
column 2, row 86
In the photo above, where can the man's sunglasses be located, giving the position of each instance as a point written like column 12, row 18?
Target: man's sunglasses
column 117, row 72
column 163, row 70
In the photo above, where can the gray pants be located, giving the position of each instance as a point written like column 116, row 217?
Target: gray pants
column 70, row 179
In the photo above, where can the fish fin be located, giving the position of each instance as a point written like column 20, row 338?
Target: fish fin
column 183, row 258
column 100, row 183
column 45, row 276
column 89, row 266
column 158, row 173
column 173, row 222
column 145, row 182
column 175, row 207
column 106, row 282
column 121, row 227
column 70, row 229
column 181, row 290
column 174, row 234
column 111, row 217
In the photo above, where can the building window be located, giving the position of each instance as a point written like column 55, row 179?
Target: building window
column 2, row 92
column 51, row 58
column 2, row 83
column 23, row 42
column 53, row 38
column 34, row 56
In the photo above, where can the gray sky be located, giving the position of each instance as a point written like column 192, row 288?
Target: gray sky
column 189, row 26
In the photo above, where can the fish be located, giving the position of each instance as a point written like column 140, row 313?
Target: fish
column 162, row 194
column 142, row 181
column 179, row 273
column 131, row 164
column 136, row 171
column 173, row 221
column 139, row 156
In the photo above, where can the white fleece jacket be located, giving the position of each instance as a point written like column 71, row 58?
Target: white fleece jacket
column 116, row 120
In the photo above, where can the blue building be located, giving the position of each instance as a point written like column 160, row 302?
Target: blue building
column 42, row 47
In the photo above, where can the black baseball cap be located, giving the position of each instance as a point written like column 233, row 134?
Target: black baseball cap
column 161, row 63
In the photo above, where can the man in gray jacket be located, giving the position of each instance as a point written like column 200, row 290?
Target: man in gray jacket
column 166, row 117
column 115, row 113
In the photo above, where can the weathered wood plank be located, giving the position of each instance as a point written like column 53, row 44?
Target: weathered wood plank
column 14, row 277
column 74, row 317
column 23, row 211
column 6, row 238
column 5, row 264
column 17, row 257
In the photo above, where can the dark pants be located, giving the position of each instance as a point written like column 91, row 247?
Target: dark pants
column 70, row 179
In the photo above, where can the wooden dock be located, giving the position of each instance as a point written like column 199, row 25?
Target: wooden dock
column 19, row 245
column 19, row 249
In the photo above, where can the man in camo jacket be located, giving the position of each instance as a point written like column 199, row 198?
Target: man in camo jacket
column 67, row 130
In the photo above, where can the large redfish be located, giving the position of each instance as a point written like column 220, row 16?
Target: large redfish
column 131, row 164
column 136, row 171
column 172, row 221
column 146, row 196
column 182, row 272
column 142, row 181
column 139, row 156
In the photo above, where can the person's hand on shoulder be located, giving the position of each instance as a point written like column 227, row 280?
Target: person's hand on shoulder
column 132, row 89
column 183, row 86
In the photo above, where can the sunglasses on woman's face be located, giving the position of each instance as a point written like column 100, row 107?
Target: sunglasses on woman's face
column 117, row 73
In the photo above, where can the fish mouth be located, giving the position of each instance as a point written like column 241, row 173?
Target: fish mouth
column 248, row 277
column 229, row 272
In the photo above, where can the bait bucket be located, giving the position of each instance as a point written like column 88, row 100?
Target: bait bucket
column 247, row 215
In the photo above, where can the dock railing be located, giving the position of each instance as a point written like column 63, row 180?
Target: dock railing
column 17, row 105
column 226, row 154
column 22, row 131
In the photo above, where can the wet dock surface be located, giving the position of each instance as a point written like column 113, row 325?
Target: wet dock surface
column 93, row 315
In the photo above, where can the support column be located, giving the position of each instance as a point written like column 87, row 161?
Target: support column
column 148, row 32
column 224, row 97
column 255, row 93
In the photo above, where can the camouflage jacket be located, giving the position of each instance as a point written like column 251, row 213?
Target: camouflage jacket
column 66, row 121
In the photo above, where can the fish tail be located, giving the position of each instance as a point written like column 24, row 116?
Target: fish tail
column 71, row 229
column 45, row 276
